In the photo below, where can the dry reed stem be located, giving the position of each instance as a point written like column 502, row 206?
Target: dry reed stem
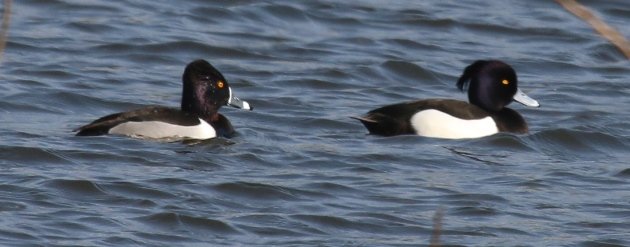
column 437, row 228
column 4, row 29
column 600, row 26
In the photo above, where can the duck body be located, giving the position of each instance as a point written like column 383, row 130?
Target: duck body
column 491, row 85
column 159, row 122
column 441, row 118
column 205, row 90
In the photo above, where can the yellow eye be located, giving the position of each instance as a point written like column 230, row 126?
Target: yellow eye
column 505, row 82
column 220, row 84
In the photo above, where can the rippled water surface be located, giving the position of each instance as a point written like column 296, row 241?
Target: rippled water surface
column 300, row 172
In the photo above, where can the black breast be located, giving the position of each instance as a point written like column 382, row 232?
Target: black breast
column 222, row 126
column 509, row 120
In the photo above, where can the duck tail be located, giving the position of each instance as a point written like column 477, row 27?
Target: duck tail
column 374, row 125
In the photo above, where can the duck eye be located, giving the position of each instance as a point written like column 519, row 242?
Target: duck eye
column 505, row 82
column 220, row 84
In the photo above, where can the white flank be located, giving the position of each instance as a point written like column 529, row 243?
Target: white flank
column 434, row 123
column 160, row 130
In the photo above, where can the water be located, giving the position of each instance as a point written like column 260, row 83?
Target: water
column 301, row 172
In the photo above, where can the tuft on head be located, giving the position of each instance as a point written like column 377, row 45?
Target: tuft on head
column 469, row 73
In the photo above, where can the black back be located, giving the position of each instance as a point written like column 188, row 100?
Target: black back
column 174, row 116
column 155, row 113
column 396, row 119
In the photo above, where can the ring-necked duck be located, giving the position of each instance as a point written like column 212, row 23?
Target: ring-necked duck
column 491, row 86
column 205, row 90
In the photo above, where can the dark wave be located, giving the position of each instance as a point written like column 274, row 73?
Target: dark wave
column 300, row 171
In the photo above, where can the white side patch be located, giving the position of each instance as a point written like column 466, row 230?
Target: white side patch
column 159, row 130
column 434, row 123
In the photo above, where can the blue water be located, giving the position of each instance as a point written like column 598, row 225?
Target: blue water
column 300, row 172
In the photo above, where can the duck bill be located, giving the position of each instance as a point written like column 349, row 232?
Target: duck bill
column 522, row 98
column 233, row 101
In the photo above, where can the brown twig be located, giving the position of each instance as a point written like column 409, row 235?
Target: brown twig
column 4, row 29
column 437, row 228
column 600, row 26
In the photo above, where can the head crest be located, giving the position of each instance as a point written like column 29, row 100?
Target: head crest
column 469, row 73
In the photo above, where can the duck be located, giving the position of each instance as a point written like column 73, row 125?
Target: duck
column 491, row 86
column 204, row 91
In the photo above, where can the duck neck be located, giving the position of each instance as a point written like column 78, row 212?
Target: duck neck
column 195, row 102
column 485, row 102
